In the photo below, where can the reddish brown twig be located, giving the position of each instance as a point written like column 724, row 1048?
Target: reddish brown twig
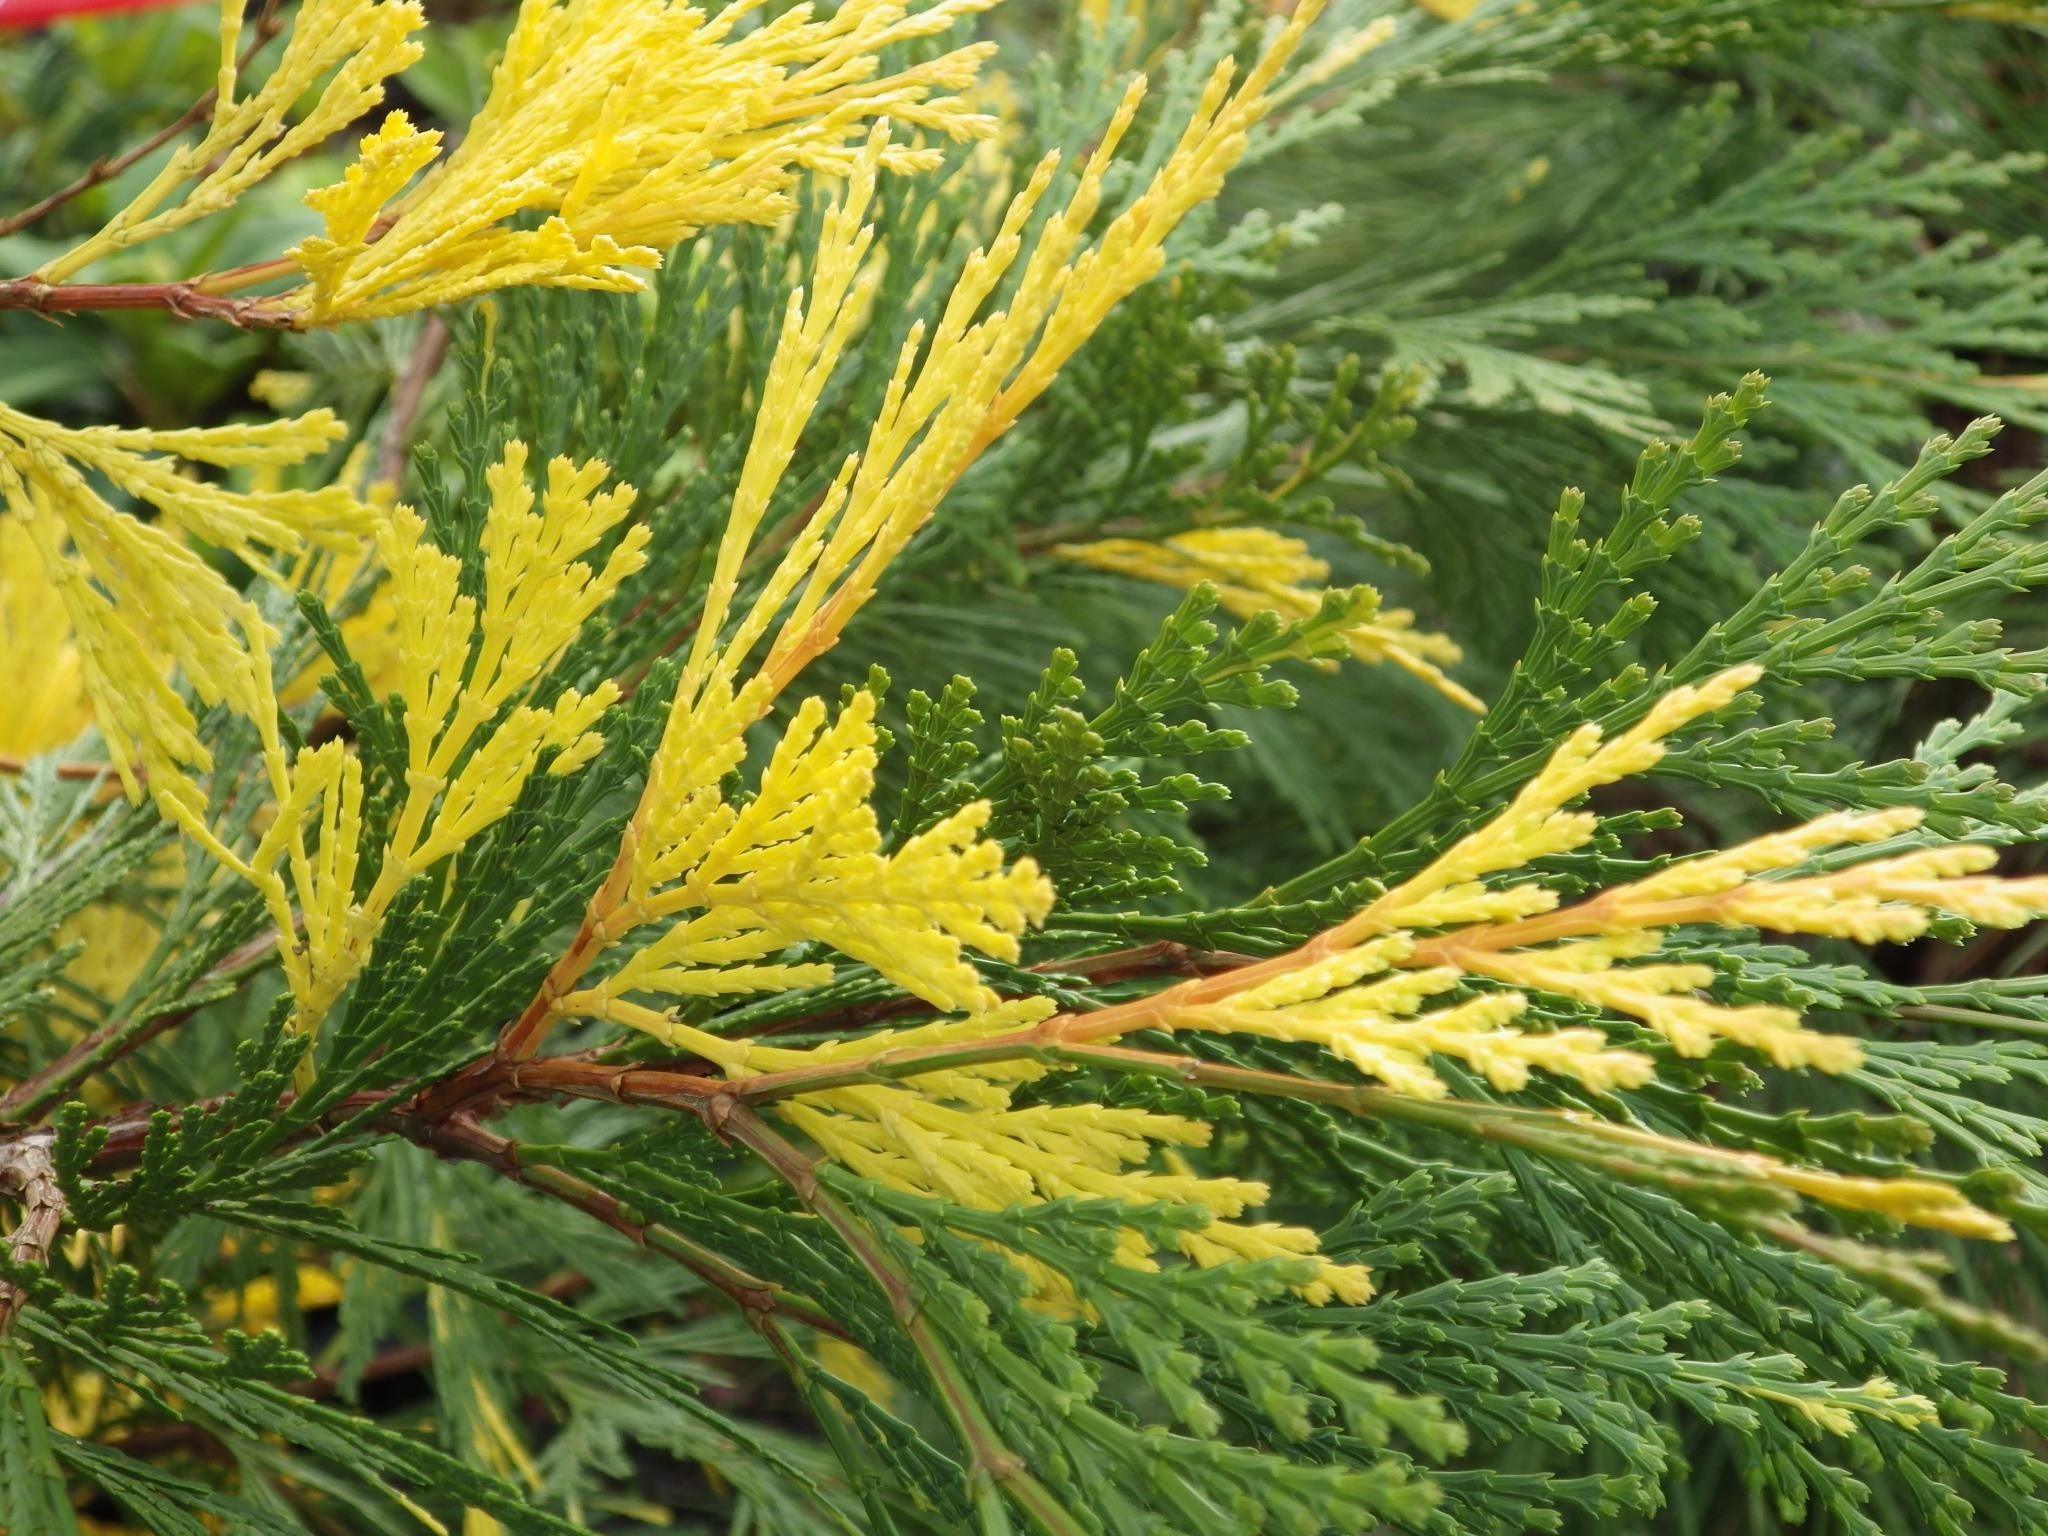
column 109, row 166
column 187, row 300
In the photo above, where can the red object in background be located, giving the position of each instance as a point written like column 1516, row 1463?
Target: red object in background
column 35, row 13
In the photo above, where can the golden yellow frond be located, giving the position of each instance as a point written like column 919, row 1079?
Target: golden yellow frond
column 460, row 667
column 1256, row 570
column 1912, row 1202
column 959, row 389
column 917, row 910
column 627, row 126
column 147, row 611
column 1358, row 990
column 464, row 671
column 317, row 832
column 1535, row 823
column 955, row 1135
column 344, row 49
column 145, row 464
column 803, row 862
column 1379, row 1026
column 1601, row 951
column 141, row 604
column 1665, row 997
column 281, row 389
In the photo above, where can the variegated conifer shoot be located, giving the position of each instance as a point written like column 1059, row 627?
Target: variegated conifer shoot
column 1484, row 970
column 585, row 163
column 715, row 892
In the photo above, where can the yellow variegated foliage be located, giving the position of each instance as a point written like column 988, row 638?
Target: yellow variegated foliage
column 1584, row 951
column 342, row 49
column 1378, row 1027
column 955, row 1135
column 955, row 392
column 947, row 402
column 144, row 463
column 950, row 397
column 258, row 1304
column 1453, row 922
column 139, row 600
column 460, row 667
column 1536, row 823
column 803, row 862
column 1602, row 951
column 464, row 673
column 1358, row 990
column 49, row 704
column 1256, row 570
column 629, row 125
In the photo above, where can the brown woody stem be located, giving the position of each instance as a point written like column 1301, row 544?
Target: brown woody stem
column 29, row 1177
column 187, row 300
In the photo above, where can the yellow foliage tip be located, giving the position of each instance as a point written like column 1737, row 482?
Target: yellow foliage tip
column 1755, row 884
column 803, row 861
column 962, row 387
column 1912, row 1202
column 1535, row 824
column 1256, row 570
column 1666, row 997
column 626, row 128
column 140, row 601
column 339, row 53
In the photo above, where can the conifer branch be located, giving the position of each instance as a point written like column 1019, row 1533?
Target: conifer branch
column 35, row 1094
column 758, row 1301
column 1453, row 1184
